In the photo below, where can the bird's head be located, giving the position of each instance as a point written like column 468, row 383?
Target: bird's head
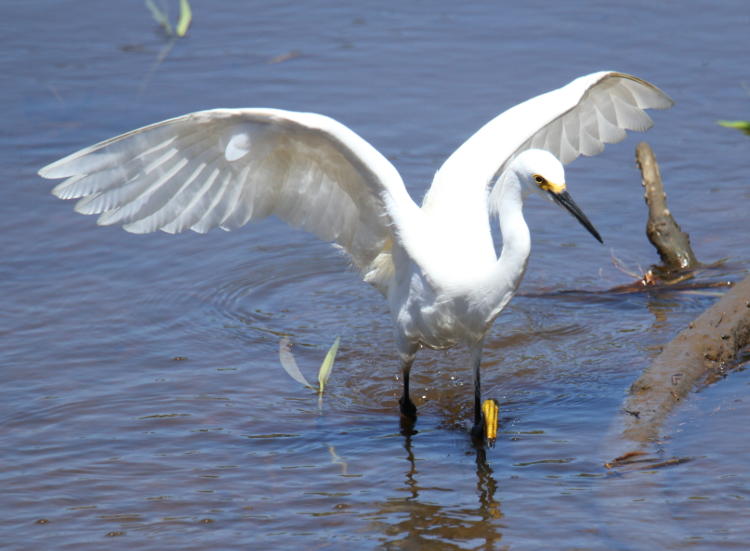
column 543, row 173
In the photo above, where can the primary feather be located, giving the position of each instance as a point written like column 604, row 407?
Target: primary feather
column 226, row 167
column 577, row 119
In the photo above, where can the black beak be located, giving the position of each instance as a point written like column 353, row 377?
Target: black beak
column 564, row 199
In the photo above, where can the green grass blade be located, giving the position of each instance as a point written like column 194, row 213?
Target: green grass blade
column 160, row 17
column 327, row 365
column 743, row 126
column 186, row 16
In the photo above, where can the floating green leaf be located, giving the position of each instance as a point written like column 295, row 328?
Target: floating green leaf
column 743, row 126
column 186, row 16
column 327, row 365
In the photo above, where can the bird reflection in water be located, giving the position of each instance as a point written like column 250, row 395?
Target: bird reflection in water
column 425, row 524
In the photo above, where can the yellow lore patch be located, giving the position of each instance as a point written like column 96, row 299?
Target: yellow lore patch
column 546, row 185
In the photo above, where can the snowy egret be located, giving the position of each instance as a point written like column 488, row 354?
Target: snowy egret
column 435, row 264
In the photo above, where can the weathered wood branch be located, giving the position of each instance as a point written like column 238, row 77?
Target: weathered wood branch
column 708, row 345
column 672, row 244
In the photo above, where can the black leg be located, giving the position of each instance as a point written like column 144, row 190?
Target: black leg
column 477, row 431
column 408, row 409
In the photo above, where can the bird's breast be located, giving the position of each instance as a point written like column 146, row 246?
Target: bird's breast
column 440, row 300
column 441, row 318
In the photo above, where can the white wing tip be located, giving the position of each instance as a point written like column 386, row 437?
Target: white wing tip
column 52, row 171
column 61, row 190
column 61, row 168
column 658, row 99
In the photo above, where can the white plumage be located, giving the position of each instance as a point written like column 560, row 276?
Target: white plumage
column 436, row 264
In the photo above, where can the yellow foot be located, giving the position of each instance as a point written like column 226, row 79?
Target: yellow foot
column 490, row 410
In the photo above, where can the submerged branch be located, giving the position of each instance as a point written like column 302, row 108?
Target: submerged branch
column 708, row 346
column 706, row 349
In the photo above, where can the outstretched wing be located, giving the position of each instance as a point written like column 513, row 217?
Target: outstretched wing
column 226, row 167
column 577, row 119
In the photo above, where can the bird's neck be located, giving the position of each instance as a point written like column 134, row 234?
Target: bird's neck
column 508, row 271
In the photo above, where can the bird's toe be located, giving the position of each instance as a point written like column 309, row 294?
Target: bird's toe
column 484, row 431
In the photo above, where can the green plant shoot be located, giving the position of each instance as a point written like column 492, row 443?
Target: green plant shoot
column 742, row 126
column 327, row 365
column 183, row 24
column 186, row 16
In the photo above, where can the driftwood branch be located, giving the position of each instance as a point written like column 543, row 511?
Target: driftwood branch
column 672, row 244
column 708, row 346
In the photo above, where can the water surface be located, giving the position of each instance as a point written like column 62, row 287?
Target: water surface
column 143, row 404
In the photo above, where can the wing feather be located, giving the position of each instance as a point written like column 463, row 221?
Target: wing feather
column 577, row 119
column 227, row 167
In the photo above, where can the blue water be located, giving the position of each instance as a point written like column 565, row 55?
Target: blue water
column 143, row 405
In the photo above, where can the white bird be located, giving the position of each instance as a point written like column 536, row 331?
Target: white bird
column 436, row 264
